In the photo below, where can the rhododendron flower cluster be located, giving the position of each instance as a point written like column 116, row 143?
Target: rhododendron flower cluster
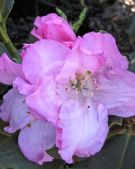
column 64, row 90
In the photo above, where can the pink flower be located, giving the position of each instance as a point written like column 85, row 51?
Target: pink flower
column 104, row 43
column 80, row 94
column 68, row 93
column 35, row 139
column 34, row 132
column 14, row 111
column 9, row 70
column 53, row 27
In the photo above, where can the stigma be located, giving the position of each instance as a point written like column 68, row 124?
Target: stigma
column 82, row 85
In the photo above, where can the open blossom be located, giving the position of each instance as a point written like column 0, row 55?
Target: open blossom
column 65, row 95
column 88, row 87
column 34, row 132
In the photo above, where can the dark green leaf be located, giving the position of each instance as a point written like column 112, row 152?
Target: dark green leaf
column 31, row 39
column 11, row 157
column 3, row 49
column 115, row 125
column 114, row 120
column 116, row 130
column 132, row 62
column 5, row 8
column 3, row 89
column 118, row 153
column 54, row 153
column 3, row 135
column 61, row 13
column 131, row 30
column 76, row 25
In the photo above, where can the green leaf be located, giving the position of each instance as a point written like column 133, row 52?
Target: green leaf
column 118, row 153
column 5, row 9
column 116, row 130
column 3, row 89
column 3, row 135
column 61, row 13
column 114, row 120
column 11, row 157
column 76, row 25
column 131, row 31
column 3, row 49
column 7, row 46
column 132, row 62
column 54, row 153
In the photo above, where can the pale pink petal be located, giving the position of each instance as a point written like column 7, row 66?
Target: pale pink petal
column 25, row 46
column 43, row 57
column 104, row 43
column 23, row 87
column 22, row 53
column 69, row 44
column 27, row 89
column 82, row 129
column 53, row 27
column 14, row 111
column 36, row 115
column 80, row 62
column 116, row 90
column 35, row 139
column 9, row 70
column 44, row 100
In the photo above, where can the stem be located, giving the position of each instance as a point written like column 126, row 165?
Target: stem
column 8, row 43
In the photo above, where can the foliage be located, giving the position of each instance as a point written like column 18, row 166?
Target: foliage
column 79, row 22
column 11, row 157
column 131, row 33
column 118, row 153
column 131, row 30
column 5, row 9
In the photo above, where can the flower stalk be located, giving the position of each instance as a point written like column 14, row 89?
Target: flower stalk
column 4, row 37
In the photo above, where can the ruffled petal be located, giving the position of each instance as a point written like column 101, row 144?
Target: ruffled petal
column 116, row 90
column 23, row 87
column 44, row 100
column 45, row 56
column 53, row 27
column 82, row 129
column 104, row 43
column 81, row 62
column 35, row 139
column 9, row 70
column 14, row 111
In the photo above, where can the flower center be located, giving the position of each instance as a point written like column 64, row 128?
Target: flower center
column 81, row 87
column 81, row 81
